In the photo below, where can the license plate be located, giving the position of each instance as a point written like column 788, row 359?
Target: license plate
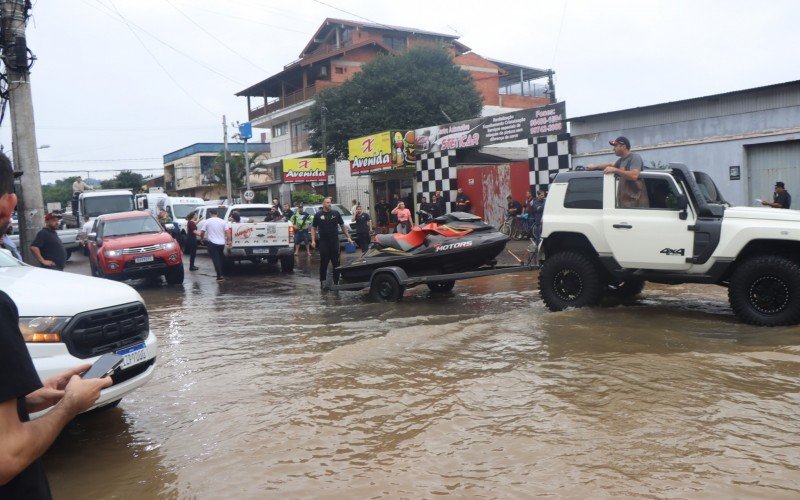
column 271, row 229
column 132, row 355
column 261, row 250
column 146, row 258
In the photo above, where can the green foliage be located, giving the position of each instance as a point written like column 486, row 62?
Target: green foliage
column 124, row 180
column 59, row 191
column 306, row 197
column 236, row 162
column 394, row 92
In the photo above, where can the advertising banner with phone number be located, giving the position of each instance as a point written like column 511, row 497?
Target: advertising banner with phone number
column 492, row 130
column 304, row 170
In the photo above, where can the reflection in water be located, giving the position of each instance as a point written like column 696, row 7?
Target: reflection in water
column 267, row 385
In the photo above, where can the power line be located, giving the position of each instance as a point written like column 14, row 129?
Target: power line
column 214, row 37
column 558, row 36
column 225, row 14
column 128, row 24
column 114, row 159
column 355, row 15
column 102, row 170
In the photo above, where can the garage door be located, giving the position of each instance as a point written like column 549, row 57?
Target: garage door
column 768, row 163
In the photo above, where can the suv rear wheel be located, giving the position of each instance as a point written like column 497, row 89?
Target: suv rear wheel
column 765, row 291
column 569, row 279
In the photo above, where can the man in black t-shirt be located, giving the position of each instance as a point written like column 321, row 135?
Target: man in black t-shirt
column 325, row 237
column 22, row 442
column 781, row 198
column 382, row 214
column 514, row 207
column 47, row 246
column 462, row 202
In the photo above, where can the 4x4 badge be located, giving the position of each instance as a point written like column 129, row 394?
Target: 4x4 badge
column 673, row 251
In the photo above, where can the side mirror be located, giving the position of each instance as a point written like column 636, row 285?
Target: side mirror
column 682, row 203
column 92, row 237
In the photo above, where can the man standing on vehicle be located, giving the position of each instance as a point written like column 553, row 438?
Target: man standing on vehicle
column 781, row 198
column 287, row 211
column 325, row 229
column 47, row 247
column 631, row 192
column 78, row 187
column 22, row 442
column 213, row 230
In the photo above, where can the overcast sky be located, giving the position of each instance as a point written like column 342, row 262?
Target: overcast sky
column 118, row 84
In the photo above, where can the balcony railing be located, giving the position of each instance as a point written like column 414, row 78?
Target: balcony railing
column 291, row 99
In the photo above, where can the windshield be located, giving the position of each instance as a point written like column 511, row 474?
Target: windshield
column 134, row 225
column 181, row 211
column 7, row 260
column 254, row 213
column 340, row 209
column 709, row 189
column 99, row 205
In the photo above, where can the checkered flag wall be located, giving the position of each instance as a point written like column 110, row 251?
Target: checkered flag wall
column 437, row 172
column 547, row 155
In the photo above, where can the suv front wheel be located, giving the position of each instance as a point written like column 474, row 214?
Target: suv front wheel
column 569, row 279
column 765, row 291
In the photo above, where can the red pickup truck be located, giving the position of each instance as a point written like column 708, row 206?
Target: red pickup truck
column 131, row 245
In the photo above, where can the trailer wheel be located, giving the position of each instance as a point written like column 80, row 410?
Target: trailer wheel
column 386, row 288
column 442, row 286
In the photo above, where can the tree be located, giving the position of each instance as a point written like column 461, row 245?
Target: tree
column 125, row 180
column 411, row 90
column 59, row 191
column 236, row 161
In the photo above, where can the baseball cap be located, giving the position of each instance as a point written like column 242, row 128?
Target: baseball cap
column 779, row 184
column 621, row 140
column 51, row 216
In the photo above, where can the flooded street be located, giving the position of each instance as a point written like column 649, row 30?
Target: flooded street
column 266, row 386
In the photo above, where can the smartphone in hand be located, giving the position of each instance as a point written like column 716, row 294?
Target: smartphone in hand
column 104, row 366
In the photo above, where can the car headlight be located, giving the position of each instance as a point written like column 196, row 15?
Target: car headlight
column 168, row 246
column 113, row 253
column 42, row 328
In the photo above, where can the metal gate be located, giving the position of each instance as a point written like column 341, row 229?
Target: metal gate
column 768, row 163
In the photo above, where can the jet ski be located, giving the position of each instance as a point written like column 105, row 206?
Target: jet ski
column 452, row 243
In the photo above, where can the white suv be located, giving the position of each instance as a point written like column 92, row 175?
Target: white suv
column 68, row 319
column 681, row 231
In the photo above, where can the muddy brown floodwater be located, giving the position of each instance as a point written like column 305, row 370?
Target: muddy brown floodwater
column 266, row 387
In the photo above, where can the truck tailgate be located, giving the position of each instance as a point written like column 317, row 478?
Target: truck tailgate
column 260, row 234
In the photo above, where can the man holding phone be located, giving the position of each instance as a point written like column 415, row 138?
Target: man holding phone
column 22, row 442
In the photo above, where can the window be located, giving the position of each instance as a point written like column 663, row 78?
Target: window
column 299, row 128
column 396, row 43
column 339, row 70
column 280, row 129
column 659, row 193
column 584, row 193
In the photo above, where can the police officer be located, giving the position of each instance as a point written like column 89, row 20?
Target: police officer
column 324, row 230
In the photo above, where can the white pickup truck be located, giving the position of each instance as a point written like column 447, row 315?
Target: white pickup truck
column 254, row 239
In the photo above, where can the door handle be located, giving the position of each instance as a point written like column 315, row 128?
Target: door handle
column 622, row 226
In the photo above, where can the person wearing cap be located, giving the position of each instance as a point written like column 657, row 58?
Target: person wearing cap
column 781, row 198
column 47, row 246
column 631, row 192
column 22, row 392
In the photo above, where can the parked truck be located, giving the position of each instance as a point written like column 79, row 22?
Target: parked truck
column 99, row 202
column 255, row 239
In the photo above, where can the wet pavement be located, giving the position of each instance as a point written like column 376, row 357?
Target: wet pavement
column 267, row 386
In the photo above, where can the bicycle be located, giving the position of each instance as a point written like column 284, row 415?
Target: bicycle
column 516, row 226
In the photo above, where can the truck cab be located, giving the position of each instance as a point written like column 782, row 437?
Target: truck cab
column 104, row 201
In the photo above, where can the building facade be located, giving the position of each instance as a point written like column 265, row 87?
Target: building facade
column 190, row 171
column 280, row 104
column 746, row 140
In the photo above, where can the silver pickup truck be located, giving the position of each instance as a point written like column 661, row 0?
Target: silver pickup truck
column 68, row 237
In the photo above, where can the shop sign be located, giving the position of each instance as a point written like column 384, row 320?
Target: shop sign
column 380, row 152
column 304, row 170
column 492, row 130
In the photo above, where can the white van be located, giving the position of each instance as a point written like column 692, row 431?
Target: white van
column 76, row 328
column 178, row 207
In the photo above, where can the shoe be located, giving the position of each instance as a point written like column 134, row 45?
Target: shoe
column 193, row 268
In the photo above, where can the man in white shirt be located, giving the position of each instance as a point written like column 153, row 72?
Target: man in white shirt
column 84, row 234
column 77, row 188
column 213, row 230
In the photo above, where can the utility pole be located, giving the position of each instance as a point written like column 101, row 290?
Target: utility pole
column 324, row 112
column 227, row 161
column 14, row 15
